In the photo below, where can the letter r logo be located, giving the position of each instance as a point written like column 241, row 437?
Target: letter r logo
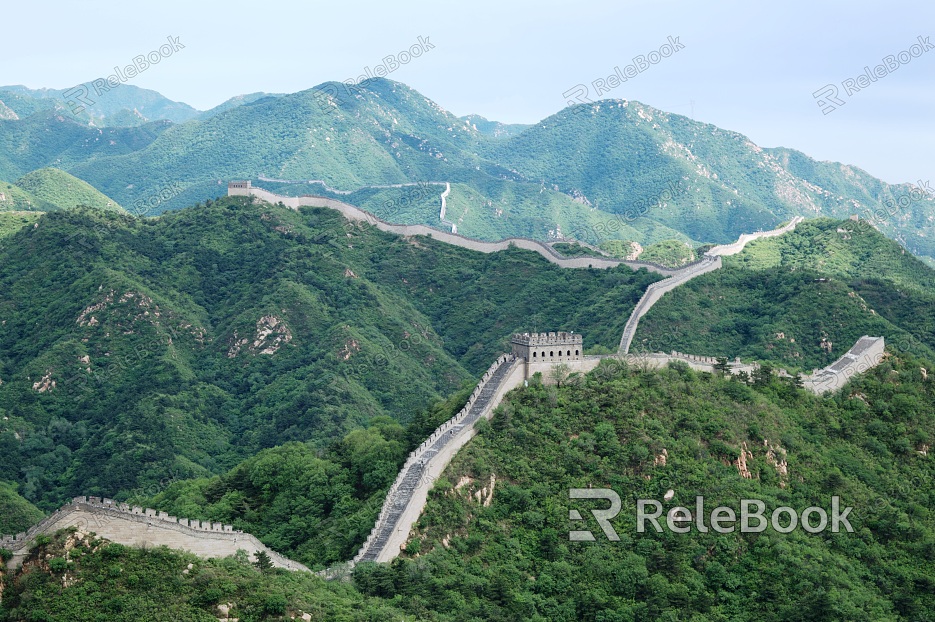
column 828, row 99
column 602, row 516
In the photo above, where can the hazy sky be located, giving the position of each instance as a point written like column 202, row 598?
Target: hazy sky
column 748, row 66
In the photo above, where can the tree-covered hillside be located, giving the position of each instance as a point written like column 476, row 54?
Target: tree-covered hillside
column 493, row 542
column 506, row 554
column 138, row 351
column 794, row 299
column 55, row 187
column 612, row 170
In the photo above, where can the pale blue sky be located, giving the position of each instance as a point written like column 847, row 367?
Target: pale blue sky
column 748, row 66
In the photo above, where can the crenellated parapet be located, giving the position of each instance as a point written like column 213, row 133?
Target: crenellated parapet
column 138, row 526
column 150, row 513
column 407, row 495
column 354, row 213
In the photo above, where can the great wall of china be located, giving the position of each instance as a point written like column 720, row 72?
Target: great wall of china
column 407, row 496
column 136, row 526
column 356, row 214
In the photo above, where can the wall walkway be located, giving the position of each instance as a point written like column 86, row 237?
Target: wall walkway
column 135, row 526
column 407, row 496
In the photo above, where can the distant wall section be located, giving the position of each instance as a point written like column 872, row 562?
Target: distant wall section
column 145, row 527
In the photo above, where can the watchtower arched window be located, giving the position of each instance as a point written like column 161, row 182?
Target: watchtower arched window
column 568, row 353
column 533, row 355
column 551, row 353
column 576, row 353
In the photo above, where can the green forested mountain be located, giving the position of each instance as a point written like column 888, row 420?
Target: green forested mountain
column 493, row 541
column 642, row 434
column 16, row 514
column 46, row 190
column 13, row 221
column 783, row 298
column 137, row 351
column 494, row 128
column 614, row 169
column 109, row 108
column 51, row 186
column 51, row 138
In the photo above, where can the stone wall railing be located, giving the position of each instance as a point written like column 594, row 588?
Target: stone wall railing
column 710, row 261
column 656, row 290
column 137, row 520
column 733, row 248
column 863, row 355
column 421, row 455
column 352, row 212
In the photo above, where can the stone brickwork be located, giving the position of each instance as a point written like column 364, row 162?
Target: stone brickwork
column 407, row 496
column 560, row 347
column 656, row 290
column 723, row 250
column 710, row 261
column 136, row 526
column 863, row 355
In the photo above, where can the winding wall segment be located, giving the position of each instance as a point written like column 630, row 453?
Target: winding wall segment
column 357, row 214
column 135, row 526
column 407, row 496
column 711, row 261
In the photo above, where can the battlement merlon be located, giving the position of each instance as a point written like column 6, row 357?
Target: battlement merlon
column 547, row 339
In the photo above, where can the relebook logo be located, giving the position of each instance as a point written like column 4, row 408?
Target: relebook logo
column 722, row 519
column 828, row 97
column 79, row 97
column 327, row 95
column 578, row 94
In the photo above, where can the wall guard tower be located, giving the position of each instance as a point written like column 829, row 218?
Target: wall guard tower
column 541, row 352
column 547, row 347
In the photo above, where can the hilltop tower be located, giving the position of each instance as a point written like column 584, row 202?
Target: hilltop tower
column 560, row 347
column 543, row 352
column 238, row 188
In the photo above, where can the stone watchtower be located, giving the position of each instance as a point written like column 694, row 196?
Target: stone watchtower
column 553, row 348
column 542, row 352
column 238, row 188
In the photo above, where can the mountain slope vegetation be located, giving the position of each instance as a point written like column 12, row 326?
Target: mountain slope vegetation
column 493, row 541
column 612, row 170
column 135, row 352
column 56, row 187
column 782, row 298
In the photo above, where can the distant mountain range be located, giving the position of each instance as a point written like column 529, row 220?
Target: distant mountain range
column 611, row 170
